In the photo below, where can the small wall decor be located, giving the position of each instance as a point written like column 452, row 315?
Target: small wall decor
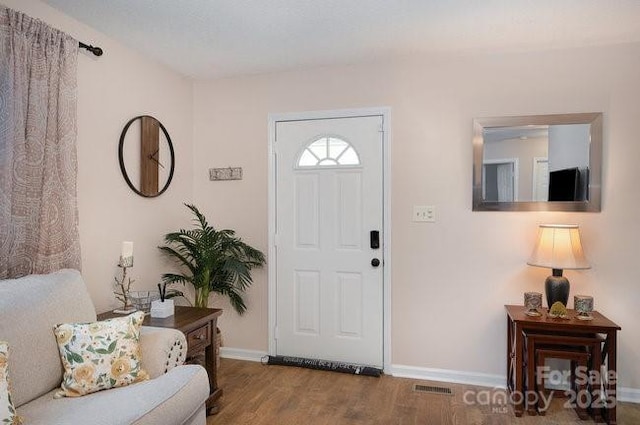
column 229, row 173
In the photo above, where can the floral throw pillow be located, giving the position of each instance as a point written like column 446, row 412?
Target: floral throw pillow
column 7, row 411
column 101, row 355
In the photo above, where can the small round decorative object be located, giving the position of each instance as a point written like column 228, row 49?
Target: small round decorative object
column 532, row 303
column 584, row 306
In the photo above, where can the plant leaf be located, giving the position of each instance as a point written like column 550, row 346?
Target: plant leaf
column 212, row 261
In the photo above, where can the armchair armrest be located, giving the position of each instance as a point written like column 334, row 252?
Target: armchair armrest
column 162, row 349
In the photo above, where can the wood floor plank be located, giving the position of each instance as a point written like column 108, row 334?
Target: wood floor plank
column 255, row 394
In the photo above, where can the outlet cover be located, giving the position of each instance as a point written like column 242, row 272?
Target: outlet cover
column 424, row 213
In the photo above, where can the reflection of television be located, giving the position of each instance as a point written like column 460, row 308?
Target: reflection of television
column 569, row 184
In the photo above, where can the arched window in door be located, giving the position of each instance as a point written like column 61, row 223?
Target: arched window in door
column 328, row 151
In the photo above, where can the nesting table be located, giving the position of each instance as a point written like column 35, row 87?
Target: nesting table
column 520, row 324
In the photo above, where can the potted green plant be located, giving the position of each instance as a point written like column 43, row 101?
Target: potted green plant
column 212, row 261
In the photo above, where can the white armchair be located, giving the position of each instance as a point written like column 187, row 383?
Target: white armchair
column 29, row 309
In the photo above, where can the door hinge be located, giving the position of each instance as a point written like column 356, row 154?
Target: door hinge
column 276, row 239
column 276, row 334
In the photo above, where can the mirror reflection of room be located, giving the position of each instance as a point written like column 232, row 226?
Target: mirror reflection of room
column 536, row 163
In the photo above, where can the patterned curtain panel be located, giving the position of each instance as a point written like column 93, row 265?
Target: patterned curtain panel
column 38, row 164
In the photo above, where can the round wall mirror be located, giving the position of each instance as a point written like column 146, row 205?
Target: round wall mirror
column 147, row 160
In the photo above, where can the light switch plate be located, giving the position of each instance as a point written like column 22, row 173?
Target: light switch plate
column 424, row 213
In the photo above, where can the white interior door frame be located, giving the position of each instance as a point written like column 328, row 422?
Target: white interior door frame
column 515, row 164
column 385, row 112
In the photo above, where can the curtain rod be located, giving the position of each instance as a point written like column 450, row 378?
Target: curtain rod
column 95, row 50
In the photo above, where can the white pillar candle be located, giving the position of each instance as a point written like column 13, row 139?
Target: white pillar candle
column 127, row 249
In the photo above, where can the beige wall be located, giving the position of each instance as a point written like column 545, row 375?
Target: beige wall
column 112, row 89
column 449, row 279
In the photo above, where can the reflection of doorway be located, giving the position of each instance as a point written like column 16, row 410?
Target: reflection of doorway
column 500, row 180
column 540, row 179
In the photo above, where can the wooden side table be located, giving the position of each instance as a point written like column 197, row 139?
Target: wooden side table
column 518, row 323
column 199, row 326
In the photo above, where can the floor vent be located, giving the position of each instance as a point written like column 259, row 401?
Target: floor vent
column 432, row 390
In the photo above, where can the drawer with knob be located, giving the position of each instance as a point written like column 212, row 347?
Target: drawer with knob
column 200, row 337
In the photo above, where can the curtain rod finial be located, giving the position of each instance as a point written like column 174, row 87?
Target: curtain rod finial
column 95, row 50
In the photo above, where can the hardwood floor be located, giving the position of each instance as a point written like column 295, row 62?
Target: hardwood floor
column 279, row 395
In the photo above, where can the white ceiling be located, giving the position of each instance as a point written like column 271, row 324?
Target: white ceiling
column 216, row 38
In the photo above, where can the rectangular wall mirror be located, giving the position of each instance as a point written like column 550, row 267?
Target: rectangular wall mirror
column 537, row 163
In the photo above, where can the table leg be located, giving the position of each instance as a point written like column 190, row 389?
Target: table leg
column 518, row 396
column 510, row 358
column 211, row 364
column 597, row 398
column 531, row 375
column 611, row 378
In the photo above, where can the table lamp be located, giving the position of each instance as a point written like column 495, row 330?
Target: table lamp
column 558, row 247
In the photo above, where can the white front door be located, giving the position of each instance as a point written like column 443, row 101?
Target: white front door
column 329, row 200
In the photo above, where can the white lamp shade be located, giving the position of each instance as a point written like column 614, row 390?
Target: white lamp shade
column 559, row 247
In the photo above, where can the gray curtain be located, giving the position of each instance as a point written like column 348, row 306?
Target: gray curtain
column 38, row 164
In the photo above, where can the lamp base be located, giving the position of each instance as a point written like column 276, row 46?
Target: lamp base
column 556, row 288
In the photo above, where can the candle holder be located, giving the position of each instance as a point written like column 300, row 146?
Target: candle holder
column 126, row 261
column 123, row 286
column 583, row 305
column 532, row 302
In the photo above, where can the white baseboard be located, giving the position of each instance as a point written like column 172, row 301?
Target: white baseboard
column 452, row 376
column 630, row 395
column 242, row 354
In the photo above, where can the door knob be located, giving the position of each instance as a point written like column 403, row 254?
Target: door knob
column 375, row 262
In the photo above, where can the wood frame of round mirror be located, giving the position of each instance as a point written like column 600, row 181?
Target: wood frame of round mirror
column 121, row 157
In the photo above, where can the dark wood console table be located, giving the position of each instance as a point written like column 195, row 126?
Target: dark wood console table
column 518, row 323
column 199, row 326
